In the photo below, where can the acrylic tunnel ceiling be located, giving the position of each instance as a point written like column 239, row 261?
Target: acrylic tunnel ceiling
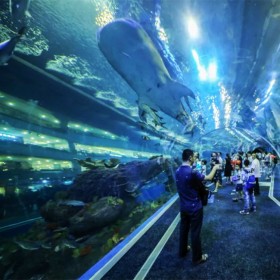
column 179, row 73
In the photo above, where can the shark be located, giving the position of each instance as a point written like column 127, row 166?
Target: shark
column 7, row 47
column 132, row 53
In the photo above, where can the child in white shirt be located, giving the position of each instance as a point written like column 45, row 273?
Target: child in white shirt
column 238, row 182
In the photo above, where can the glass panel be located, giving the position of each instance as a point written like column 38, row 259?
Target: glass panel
column 98, row 98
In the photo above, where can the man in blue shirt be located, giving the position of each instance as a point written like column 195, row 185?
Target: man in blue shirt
column 191, row 208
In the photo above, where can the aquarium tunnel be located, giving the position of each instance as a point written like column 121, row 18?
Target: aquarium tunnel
column 98, row 99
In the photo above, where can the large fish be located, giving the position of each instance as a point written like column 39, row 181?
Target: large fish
column 131, row 52
column 7, row 47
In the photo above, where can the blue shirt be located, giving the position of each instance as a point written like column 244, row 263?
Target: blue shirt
column 189, row 199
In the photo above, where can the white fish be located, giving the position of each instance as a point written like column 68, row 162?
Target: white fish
column 28, row 245
column 72, row 202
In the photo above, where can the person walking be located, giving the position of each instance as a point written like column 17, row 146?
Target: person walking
column 256, row 168
column 214, row 160
column 248, row 189
column 191, row 209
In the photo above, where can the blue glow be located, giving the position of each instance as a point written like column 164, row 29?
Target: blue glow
column 271, row 84
column 205, row 75
column 202, row 73
column 193, row 28
column 212, row 71
column 195, row 56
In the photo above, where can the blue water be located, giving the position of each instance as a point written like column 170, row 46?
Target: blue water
column 151, row 192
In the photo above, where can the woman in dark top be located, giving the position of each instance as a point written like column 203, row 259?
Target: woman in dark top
column 228, row 168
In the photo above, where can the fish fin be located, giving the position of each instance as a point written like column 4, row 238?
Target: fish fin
column 142, row 115
column 142, row 112
column 180, row 89
column 179, row 96
column 27, row 14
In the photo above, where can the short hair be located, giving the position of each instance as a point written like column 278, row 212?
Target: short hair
column 187, row 153
column 246, row 162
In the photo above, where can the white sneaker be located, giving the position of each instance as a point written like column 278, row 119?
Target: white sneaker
column 244, row 212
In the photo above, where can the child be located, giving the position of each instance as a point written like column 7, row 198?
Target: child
column 203, row 166
column 238, row 182
column 248, row 190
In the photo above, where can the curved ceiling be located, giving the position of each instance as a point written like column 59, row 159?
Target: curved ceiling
column 225, row 52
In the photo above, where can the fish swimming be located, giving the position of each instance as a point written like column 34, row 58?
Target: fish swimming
column 7, row 47
column 19, row 9
column 28, row 245
column 146, row 137
column 77, row 203
column 131, row 52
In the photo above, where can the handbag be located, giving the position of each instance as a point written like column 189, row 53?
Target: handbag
column 204, row 194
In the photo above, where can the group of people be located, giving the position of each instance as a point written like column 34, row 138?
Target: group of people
column 245, row 173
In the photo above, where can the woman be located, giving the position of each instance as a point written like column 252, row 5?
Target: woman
column 228, row 168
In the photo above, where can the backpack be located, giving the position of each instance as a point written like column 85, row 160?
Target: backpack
column 250, row 179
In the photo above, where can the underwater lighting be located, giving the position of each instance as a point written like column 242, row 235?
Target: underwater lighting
column 267, row 96
column 216, row 115
column 212, row 71
column 193, row 28
column 200, row 68
column 227, row 104
column 160, row 30
column 27, row 111
column 195, row 56
column 268, row 92
column 271, row 84
column 105, row 12
column 202, row 74
column 243, row 136
column 266, row 100
column 205, row 75
column 94, row 131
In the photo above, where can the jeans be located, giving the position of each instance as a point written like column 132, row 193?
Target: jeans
column 192, row 223
column 249, row 199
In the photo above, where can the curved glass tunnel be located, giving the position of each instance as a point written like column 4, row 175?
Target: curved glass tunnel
column 98, row 98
